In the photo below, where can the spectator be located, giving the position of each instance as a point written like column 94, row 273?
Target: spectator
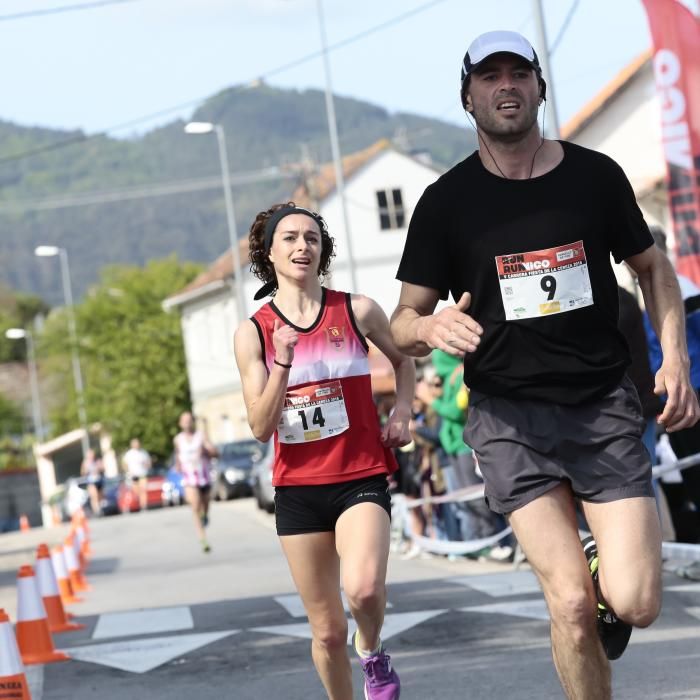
column 137, row 462
column 93, row 469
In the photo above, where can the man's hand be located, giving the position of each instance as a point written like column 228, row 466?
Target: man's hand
column 681, row 409
column 451, row 330
column 395, row 432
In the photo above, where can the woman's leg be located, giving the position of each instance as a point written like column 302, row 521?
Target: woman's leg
column 315, row 567
column 362, row 541
column 194, row 499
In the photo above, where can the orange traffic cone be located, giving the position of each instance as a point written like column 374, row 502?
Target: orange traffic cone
column 83, row 542
column 82, row 560
column 79, row 518
column 24, row 523
column 13, row 683
column 33, row 636
column 64, row 585
column 77, row 580
column 48, row 589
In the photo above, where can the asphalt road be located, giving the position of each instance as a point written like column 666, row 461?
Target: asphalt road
column 165, row 621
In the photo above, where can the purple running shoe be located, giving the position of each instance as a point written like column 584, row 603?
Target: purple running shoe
column 381, row 680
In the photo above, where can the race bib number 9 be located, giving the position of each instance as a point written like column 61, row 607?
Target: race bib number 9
column 544, row 282
column 313, row 413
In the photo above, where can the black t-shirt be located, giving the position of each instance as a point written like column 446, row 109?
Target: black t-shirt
column 535, row 255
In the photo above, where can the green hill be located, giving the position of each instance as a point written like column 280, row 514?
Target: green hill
column 61, row 195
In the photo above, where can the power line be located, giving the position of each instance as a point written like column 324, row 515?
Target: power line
column 61, row 9
column 567, row 20
column 183, row 105
column 159, row 189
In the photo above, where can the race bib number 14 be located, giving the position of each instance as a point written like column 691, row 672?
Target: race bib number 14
column 544, row 282
column 313, row 413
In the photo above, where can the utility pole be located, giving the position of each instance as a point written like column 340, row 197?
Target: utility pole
column 335, row 150
column 543, row 55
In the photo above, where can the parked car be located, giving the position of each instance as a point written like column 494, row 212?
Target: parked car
column 263, row 490
column 232, row 470
column 128, row 497
column 173, row 489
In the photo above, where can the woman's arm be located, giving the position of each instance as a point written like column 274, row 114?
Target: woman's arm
column 263, row 394
column 374, row 325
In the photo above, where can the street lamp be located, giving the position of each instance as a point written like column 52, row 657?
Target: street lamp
column 199, row 128
column 50, row 251
column 22, row 334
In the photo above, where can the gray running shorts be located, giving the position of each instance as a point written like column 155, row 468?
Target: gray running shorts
column 525, row 448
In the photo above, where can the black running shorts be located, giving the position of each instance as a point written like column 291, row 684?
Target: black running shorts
column 526, row 448
column 303, row 509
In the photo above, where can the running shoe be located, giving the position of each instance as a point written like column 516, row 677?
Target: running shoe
column 614, row 633
column 206, row 548
column 381, row 680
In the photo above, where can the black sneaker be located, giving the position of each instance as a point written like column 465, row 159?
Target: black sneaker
column 614, row 633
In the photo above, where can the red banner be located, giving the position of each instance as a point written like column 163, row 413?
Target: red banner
column 675, row 29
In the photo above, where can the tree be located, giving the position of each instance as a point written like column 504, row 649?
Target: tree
column 17, row 310
column 131, row 355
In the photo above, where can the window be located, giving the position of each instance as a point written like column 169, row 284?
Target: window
column 391, row 213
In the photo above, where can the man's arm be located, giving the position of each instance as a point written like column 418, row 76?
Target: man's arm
column 662, row 298
column 373, row 323
column 417, row 330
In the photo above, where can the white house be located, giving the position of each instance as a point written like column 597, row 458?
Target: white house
column 382, row 186
column 624, row 121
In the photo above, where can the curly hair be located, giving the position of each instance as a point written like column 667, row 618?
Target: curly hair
column 260, row 264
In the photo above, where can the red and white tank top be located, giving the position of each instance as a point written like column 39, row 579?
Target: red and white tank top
column 329, row 430
column 194, row 461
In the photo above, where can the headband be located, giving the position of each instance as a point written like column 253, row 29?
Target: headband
column 270, row 227
column 280, row 214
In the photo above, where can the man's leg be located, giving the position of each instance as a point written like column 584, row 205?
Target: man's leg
column 315, row 567
column 628, row 538
column 546, row 530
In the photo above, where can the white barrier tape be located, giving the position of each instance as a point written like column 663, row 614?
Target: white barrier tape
column 470, row 493
column 455, row 547
column 680, row 465
column 434, row 546
column 680, row 551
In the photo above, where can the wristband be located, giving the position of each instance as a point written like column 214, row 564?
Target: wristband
column 281, row 364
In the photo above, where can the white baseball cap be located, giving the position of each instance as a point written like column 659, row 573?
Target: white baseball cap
column 500, row 41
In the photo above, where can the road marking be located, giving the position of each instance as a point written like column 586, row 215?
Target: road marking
column 142, row 655
column 293, row 605
column 533, row 609
column 394, row 624
column 35, row 680
column 695, row 612
column 135, row 622
column 498, row 585
column 686, row 587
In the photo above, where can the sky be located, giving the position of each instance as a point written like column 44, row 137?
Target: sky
column 110, row 66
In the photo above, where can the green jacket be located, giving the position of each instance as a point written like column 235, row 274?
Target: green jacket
column 453, row 417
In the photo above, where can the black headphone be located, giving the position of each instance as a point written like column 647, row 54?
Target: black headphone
column 468, row 67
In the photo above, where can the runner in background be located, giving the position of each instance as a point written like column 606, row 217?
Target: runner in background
column 305, row 373
column 193, row 452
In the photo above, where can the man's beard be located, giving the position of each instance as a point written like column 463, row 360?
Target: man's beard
column 505, row 132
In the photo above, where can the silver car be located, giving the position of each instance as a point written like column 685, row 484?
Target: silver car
column 263, row 490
